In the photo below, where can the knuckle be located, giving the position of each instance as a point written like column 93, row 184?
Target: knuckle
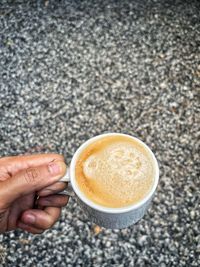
column 31, row 176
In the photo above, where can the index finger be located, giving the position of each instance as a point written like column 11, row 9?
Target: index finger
column 16, row 163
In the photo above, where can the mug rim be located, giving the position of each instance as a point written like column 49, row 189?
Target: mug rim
column 98, row 207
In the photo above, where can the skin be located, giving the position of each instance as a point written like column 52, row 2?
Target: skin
column 29, row 187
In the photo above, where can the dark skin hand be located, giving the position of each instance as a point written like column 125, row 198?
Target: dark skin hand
column 22, row 180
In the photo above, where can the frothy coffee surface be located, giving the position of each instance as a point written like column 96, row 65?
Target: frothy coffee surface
column 115, row 171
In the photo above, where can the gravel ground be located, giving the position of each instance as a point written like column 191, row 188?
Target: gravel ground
column 72, row 69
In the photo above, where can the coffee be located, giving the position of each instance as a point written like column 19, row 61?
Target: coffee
column 115, row 171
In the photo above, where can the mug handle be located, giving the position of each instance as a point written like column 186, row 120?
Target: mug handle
column 69, row 190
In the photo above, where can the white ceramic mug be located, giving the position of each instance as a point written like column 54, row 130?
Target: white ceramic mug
column 104, row 216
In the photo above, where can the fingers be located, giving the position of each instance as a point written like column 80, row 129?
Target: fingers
column 36, row 221
column 52, row 189
column 30, row 228
column 41, row 219
column 53, row 201
column 18, row 163
column 31, row 180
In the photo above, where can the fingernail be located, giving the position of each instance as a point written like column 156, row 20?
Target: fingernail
column 56, row 167
column 30, row 218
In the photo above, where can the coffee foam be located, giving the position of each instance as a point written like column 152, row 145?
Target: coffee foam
column 118, row 173
column 122, row 160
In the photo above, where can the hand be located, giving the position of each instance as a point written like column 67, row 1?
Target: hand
column 22, row 180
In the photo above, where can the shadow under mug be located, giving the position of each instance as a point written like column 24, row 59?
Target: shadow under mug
column 113, row 218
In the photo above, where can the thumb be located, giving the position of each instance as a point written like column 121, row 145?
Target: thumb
column 30, row 180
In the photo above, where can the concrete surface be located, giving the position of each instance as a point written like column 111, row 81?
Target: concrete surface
column 72, row 69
